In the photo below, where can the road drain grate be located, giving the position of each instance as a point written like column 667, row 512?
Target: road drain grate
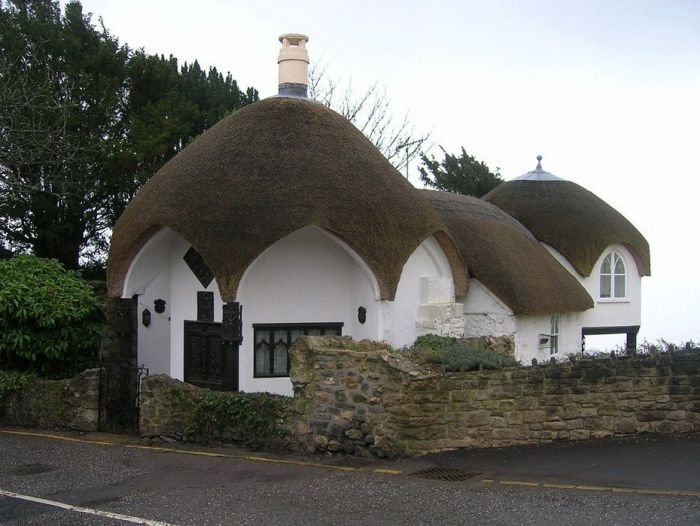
column 448, row 474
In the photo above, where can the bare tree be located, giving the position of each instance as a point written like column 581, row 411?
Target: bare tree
column 370, row 112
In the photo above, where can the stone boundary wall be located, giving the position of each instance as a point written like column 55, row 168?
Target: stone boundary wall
column 164, row 407
column 377, row 402
column 66, row 404
column 171, row 410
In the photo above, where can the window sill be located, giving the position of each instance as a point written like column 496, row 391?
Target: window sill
column 613, row 300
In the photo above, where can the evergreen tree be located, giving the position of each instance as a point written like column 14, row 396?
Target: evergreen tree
column 84, row 122
column 463, row 174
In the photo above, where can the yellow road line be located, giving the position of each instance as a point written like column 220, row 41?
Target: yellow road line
column 582, row 487
column 59, row 437
column 559, row 486
column 518, row 483
column 388, row 471
column 380, row 471
column 253, row 458
column 689, row 493
column 173, row 450
column 593, row 488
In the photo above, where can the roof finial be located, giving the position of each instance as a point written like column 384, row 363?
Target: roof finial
column 539, row 162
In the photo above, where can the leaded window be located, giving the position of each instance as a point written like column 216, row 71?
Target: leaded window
column 273, row 341
column 612, row 276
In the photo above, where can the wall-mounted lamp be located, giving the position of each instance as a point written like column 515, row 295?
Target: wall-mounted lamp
column 159, row 306
column 146, row 317
column 362, row 315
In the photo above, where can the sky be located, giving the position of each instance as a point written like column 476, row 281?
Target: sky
column 607, row 92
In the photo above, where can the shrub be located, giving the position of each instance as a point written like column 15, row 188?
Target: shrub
column 49, row 318
column 454, row 355
column 247, row 417
column 12, row 381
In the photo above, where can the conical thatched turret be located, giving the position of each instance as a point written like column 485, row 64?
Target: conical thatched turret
column 566, row 216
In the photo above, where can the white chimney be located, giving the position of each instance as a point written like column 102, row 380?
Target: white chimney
column 293, row 63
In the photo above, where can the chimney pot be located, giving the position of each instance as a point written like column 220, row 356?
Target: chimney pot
column 293, row 63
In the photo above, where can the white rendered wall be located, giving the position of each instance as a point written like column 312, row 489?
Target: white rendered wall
column 184, row 287
column 609, row 312
column 159, row 272
column 426, row 289
column 149, row 278
column 527, row 337
column 306, row 277
column 485, row 314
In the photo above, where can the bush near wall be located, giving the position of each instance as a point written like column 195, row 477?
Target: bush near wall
column 175, row 410
column 49, row 318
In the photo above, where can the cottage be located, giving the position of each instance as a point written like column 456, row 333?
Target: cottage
column 283, row 220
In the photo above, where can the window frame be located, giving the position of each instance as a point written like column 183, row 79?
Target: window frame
column 288, row 327
column 614, row 257
column 554, row 333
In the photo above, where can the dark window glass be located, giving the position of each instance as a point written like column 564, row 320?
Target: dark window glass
column 273, row 341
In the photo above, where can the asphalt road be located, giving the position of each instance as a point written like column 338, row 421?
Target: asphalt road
column 642, row 481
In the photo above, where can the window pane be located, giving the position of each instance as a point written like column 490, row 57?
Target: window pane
column 619, row 286
column 261, row 335
column 314, row 332
column 333, row 331
column 604, row 286
column 554, row 349
column 295, row 333
column 262, row 361
column 280, row 360
column 607, row 265
column 619, row 266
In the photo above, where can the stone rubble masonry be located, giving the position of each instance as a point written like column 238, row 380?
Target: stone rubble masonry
column 376, row 402
column 73, row 403
column 164, row 406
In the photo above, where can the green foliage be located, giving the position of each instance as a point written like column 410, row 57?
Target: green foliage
column 246, row 417
column 49, row 318
column 463, row 174
column 84, row 122
column 13, row 381
column 454, row 355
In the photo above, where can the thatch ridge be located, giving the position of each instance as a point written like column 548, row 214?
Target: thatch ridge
column 266, row 171
column 506, row 258
column 571, row 219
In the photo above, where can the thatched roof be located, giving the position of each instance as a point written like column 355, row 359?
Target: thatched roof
column 571, row 219
column 502, row 254
column 268, row 170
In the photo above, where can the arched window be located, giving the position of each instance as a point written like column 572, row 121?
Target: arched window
column 612, row 276
column 554, row 335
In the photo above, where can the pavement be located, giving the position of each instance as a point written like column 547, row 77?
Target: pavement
column 56, row 478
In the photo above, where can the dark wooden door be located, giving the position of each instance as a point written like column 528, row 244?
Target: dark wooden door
column 204, row 354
